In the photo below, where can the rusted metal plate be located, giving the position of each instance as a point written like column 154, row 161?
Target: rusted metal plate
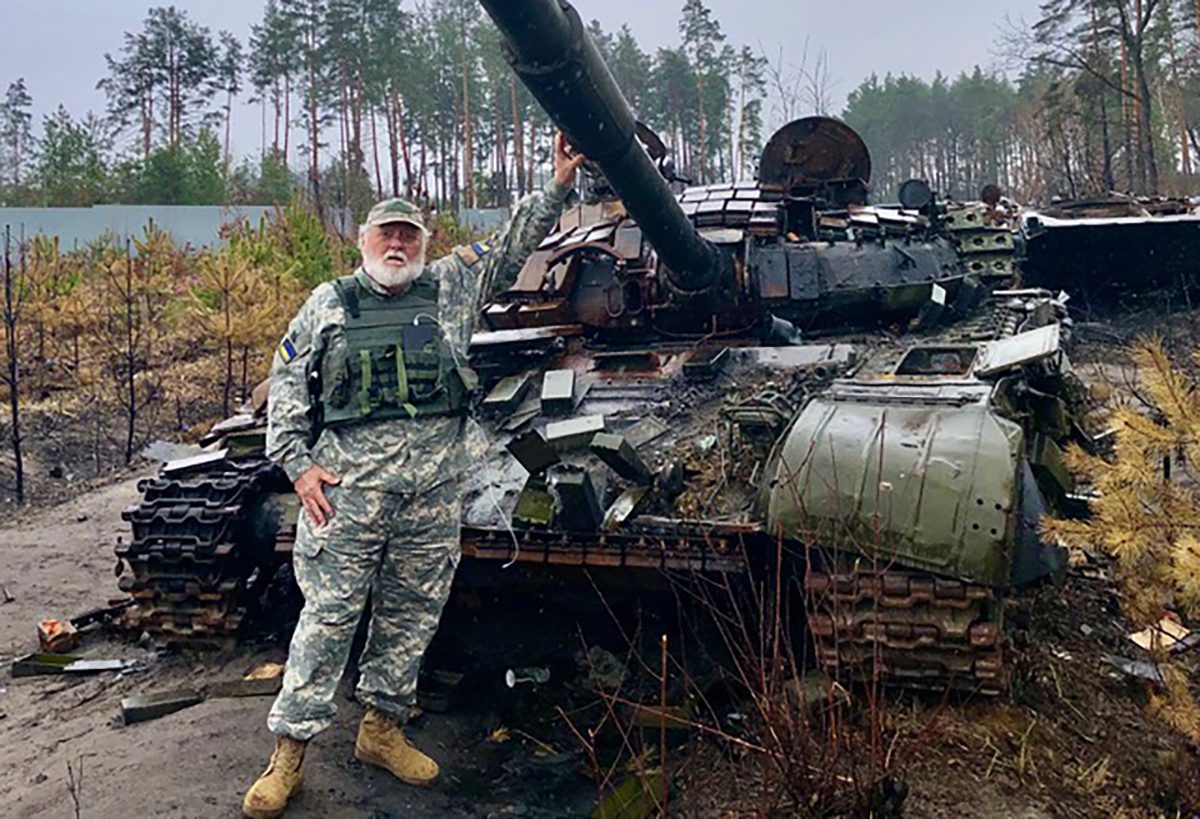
column 1023, row 348
column 720, row 551
column 533, row 274
column 813, row 151
column 771, row 267
column 601, row 233
column 500, row 338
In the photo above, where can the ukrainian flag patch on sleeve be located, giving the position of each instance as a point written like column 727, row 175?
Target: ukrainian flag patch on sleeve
column 287, row 351
column 472, row 253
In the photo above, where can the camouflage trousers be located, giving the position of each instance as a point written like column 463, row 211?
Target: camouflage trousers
column 402, row 549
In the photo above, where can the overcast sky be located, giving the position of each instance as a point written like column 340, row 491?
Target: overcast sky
column 58, row 46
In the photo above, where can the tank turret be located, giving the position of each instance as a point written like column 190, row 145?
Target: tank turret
column 799, row 246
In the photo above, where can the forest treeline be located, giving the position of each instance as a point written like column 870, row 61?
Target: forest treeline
column 1107, row 99
column 362, row 98
column 358, row 98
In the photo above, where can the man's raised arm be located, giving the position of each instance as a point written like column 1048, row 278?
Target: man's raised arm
column 474, row 274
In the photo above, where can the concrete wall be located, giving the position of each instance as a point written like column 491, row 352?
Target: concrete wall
column 483, row 220
column 195, row 225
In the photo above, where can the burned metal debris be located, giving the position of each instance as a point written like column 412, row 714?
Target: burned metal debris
column 1113, row 247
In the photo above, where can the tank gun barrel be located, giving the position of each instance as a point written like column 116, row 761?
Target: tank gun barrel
column 559, row 64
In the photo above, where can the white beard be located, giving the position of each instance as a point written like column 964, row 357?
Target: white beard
column 390, row 276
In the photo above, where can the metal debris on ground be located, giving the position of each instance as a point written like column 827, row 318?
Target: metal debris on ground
column 1135, row 668
column 61, row 636
column 245, row 687
column 532, row 674
column 94, row 666
column 604, row 671
column 32, row 665
column 1168, row 634
column 102, row 615
column 576, row 433
column 621, row 457
column 645, row 431
column 145, row 707
column 57, row 636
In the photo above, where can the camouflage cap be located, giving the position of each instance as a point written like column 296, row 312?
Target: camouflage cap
column 395, row 210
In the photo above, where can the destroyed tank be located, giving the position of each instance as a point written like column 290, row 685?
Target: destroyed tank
column 1113, row 249
column 688, row 383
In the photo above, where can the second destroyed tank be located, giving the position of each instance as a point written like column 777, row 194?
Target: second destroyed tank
column 689, row 383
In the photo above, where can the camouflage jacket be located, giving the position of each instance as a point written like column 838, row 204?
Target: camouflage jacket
column 399, row 455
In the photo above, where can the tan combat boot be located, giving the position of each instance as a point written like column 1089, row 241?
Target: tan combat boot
column 381, row 742
column 284, row 775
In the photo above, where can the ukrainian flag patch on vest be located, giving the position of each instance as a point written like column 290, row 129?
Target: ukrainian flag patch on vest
column 482, row 248
column 287, row 351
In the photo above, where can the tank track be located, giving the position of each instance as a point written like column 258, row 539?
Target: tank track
column 913, row 629
column 196, row 556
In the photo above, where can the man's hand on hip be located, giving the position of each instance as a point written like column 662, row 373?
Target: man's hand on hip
column 311, row 488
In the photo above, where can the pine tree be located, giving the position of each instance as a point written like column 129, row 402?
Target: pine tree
column 702, row 39
column 630, row 67
column 273, row 57
column 750, row 72
column 229, row 80
column 15, row 291
column 233, row 301
column 306, row 19
column 1147, row 510
column 130, row 308
column 15, row 132
column 170, row 67
column 72, row 164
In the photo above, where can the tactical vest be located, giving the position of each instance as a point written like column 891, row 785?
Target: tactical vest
column 391, row 360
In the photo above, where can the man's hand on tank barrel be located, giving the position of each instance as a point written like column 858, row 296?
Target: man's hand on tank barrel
column 311, row 488
column 566, row 162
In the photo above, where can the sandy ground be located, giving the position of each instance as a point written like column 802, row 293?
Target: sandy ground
column 194, row 763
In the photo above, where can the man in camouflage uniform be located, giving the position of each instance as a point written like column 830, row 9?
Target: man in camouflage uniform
column 380, row 484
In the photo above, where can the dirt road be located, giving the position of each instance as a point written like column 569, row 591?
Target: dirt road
column 194, row 763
